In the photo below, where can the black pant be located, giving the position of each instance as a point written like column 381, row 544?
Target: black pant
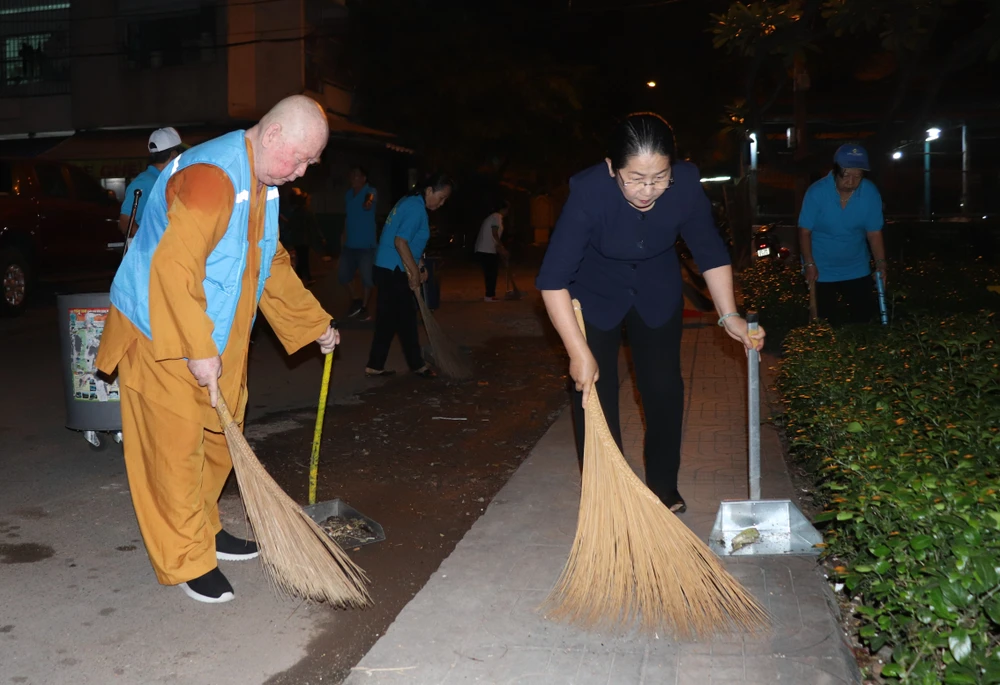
column 396, row 314
column 491, row 268
column 843, row 302
column 656, row 354
column 302, row 263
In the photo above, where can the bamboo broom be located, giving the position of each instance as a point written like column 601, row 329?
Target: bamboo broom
column 297, row 556
column 447, row 356
column 634, row 562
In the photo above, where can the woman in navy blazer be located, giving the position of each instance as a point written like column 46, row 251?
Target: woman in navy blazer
column 613, row 250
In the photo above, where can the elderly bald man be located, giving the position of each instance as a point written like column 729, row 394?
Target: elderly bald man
column 183, row 302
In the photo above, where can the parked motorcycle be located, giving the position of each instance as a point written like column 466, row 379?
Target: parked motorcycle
column 767, row 245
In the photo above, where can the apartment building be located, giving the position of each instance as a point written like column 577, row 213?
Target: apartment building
column 85, row 81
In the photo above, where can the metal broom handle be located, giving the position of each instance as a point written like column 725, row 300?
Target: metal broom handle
column 753, row 409
column 131, row 221
column 883, row 314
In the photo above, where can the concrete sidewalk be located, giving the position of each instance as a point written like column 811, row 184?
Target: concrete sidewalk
column 477, row 619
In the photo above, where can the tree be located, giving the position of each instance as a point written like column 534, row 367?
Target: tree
column 929, row 41
column 458, row 86
column 918, row 45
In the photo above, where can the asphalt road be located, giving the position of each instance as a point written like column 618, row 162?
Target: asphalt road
column 78, row 600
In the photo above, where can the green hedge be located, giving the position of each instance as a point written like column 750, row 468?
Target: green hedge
column 902, row 427
column 778, row 292
column 937, row 285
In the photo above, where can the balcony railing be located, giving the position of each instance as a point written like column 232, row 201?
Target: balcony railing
column 34, row 48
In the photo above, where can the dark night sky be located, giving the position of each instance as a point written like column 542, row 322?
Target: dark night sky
column 447, row 65
column 624, row 42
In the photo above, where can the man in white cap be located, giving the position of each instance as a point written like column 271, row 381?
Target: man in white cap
column 164, row 146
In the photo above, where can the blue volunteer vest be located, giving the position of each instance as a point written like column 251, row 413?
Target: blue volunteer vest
column 225, row 265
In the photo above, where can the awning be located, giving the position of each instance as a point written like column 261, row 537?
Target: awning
column 131, row 144
column 125, row 153
column 117, row 154
column 339, row 124
column 348, row 130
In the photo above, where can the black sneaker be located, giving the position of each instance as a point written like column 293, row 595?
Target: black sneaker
column 356, row 308
column 211, row 588
column 363, row 315
column 230, row 548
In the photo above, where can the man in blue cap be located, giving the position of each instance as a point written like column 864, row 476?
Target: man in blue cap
column 840, row 232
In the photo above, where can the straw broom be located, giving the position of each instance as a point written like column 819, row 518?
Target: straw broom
column 297, row 556
column 513, row 293
column 447, row 355
column 634, row 562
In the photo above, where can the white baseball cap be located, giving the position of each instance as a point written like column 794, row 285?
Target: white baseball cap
column 164, row 139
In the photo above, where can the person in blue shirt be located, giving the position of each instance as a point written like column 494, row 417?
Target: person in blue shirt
column 840, row 221
column 164, row 145
column 358, row 247
column 398, row 275
column 613, row 250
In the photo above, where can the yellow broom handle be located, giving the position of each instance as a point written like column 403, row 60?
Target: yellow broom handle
column 318, row 432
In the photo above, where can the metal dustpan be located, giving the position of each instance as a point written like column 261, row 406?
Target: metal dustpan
column 340, row 509
column 354, row 528
column 760, row 527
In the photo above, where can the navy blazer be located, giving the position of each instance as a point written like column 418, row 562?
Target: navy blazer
column 612, row 257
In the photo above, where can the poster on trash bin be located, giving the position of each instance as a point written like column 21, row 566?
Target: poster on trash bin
column 85, row 328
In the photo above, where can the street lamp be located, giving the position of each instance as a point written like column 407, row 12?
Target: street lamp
column 651, row 84
column 933, row 133
column 897, row 155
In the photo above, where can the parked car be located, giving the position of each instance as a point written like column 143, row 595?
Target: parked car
column 56, row 224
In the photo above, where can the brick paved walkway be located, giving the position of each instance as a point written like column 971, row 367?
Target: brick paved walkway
column 476, row 620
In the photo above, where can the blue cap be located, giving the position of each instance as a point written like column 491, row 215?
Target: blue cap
column 851, row 157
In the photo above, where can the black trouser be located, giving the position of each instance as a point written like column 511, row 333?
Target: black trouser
column 656, row 354
column 396, row 314
column 302, row 262
column 491, row 268
column 842, row 302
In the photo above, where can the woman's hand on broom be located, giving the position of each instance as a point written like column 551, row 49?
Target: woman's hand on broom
column 736, row 327
column 329, row 340
column 207, row 372
column 584, row 372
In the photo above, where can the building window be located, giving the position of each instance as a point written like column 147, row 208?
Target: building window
column 34, row 47
column 186, row 38
column 20, row 58
column 325, row 56
column 115, row 185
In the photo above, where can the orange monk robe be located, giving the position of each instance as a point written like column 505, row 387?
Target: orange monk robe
column 176, row 457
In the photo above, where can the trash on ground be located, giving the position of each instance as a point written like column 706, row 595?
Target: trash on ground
column 348, row 532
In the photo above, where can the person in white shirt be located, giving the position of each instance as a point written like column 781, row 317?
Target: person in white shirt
column 490, row 249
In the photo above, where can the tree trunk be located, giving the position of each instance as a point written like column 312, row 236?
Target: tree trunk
column 801, row 77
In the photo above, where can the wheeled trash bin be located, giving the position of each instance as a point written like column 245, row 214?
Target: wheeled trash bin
column 93, row 403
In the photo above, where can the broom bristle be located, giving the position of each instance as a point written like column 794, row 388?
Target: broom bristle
column 634, row 562
column 447, row 356
column 297, row 556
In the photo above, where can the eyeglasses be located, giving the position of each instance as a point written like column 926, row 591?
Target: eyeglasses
column 659, row 184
